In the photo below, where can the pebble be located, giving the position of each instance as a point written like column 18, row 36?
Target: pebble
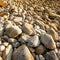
column 37, row 57
column 1, row 29
column 33, row 41
column 41, row 57
column 53, row 33
column 28, row 28
column 7, row 53
column 48, row 41
column 13, row 31
column 2, row 47
column 24, row 37
column 58, row 54
column 51, row 56
column 5, row 44
column 58, row 44
column 40, row 49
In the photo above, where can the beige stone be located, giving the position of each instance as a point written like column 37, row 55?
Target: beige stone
column 22, row 53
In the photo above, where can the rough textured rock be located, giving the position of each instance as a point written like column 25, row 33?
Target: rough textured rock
column 22, row 53
column 48, row 41
column 13, row 31
column 51, row 56
column 28, row 28
column 33, row 41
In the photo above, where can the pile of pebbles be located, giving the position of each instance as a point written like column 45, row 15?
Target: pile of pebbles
column 25, row 35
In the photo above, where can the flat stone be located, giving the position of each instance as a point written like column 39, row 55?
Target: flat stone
column 33, row 41
column 13, row 31
column 51, row 56
column 48, row 41
column 22, row 53
column 28, row 28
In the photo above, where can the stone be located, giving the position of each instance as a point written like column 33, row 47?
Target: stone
column 2, row 48
column 0, row 42
column 37, row 57
column 48, row 41
column 7, row 53
column 58, row 44
column 13, row 31
column 53, row 33
column 1, row 58
column 41, row 24
column 14, row 42
column 22, row 53
column 28, row 28
column 24, row 37
column 17, row 20
column 1, row 29
column 40, row 49
column 51, row 56
column 5, row 44
column 41, row 57
column 38, row 30
column 33, row 41
column 58, row 54
column 5, row 38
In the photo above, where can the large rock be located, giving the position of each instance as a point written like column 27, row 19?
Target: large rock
column 48, row 41
column 13, row 31
column 33, row 41
column 7, row 54
column 22, row 53
column 53, row 33
column 28, row 28
column 51, row 56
